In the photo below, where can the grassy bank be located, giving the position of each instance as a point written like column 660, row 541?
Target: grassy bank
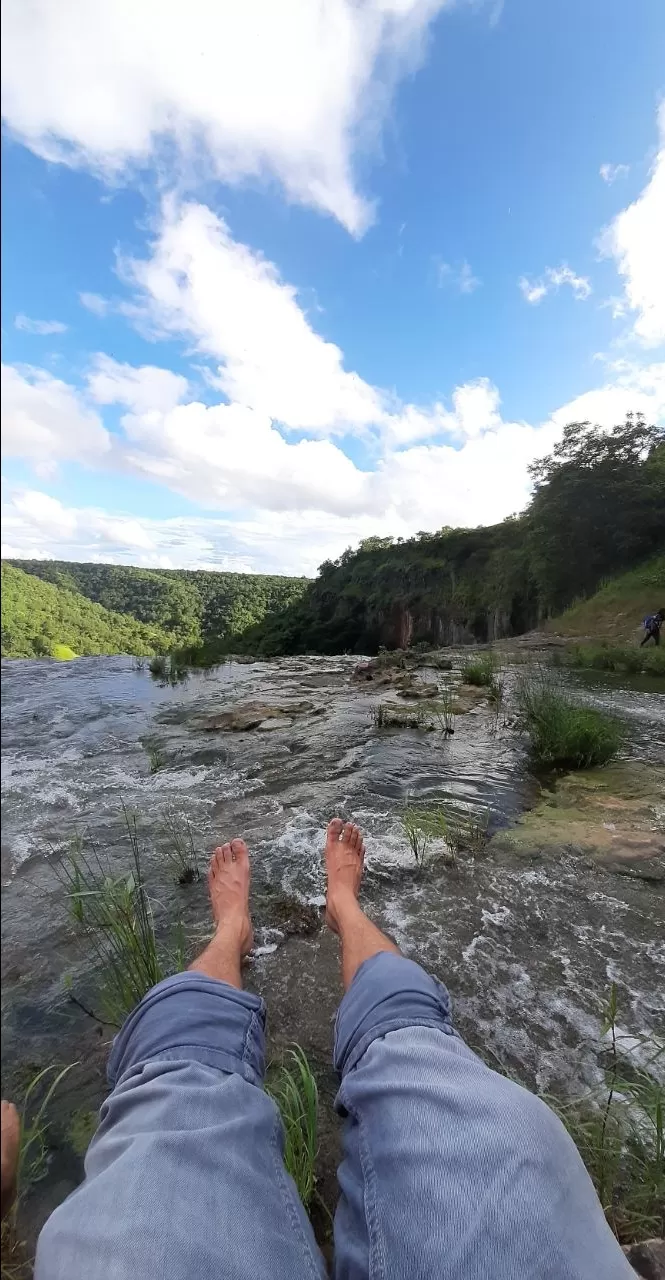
column 615, row 612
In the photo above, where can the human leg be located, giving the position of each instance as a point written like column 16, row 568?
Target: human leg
column 449, row 1169
column 10, row 1137
column 184, row 1178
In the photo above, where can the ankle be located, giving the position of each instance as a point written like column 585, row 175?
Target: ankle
column 344, row 906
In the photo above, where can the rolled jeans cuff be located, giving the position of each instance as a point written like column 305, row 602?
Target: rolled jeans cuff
column 193, row 1016
column 387, row 992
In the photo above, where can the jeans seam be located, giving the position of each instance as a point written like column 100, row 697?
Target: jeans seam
column 287, row 1197
column 249, row 1040
column 375, row 1250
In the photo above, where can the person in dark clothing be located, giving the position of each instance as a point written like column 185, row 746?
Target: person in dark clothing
column 652, row 626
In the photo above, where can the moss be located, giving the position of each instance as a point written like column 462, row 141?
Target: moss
column 81, row 1130
column 614, row 816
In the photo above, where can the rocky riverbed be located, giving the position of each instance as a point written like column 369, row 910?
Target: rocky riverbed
column 565, row 896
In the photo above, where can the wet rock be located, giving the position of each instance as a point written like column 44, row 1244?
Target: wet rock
column 278, row 722
column 408, row 687
column 466, row 698
column 647, row 1258
column 245, row 716
column 612, row 817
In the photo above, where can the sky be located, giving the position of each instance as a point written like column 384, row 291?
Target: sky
column 278, row 277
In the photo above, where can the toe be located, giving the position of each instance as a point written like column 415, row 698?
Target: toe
column 335, row 829
column 216, row 859
column 356, row 840
column 347, row 833
column 239, row 849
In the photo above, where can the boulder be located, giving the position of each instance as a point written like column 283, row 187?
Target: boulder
column 245, row 716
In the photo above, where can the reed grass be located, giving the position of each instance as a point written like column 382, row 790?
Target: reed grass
column 293, row 1087
column 115, row 915
column 563, row 733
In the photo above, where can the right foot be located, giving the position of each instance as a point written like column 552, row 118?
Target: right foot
column 344, row 857
column 228, row 885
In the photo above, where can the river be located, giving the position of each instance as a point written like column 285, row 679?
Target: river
column 528, row 947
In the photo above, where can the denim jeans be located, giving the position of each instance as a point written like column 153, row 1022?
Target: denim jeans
column 449, row 1170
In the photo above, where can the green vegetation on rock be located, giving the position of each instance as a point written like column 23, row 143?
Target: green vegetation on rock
column 564, row 734
column 616, row 610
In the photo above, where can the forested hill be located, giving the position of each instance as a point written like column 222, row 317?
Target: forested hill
column 598, row 508
column 41, row 620
column 189, row 608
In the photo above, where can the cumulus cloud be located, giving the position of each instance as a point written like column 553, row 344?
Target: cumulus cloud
column 534, row 291
column 636, row 241
column 286, row 507
column 201, row 284
column 45, row 421
column 95, row 303
column 42, row 328
column 610, row 172
column 256, row 89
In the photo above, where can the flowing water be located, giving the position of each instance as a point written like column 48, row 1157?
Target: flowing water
column 527, row 947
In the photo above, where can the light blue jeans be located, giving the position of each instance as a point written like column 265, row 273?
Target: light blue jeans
column 449, row 1169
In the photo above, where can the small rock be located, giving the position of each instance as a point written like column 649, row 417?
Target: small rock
column 279, row 722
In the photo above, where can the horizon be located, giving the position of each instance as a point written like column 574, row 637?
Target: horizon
column 273, row 287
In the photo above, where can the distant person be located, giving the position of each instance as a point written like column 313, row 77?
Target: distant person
column 450, row 1171
column 652, row 625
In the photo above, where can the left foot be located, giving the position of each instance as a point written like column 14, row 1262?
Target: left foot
column 228, row 885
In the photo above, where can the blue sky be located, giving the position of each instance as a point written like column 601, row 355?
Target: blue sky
column 274, row 283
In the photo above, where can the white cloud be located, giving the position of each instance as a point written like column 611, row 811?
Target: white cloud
column 201, row 284
column 636, row 240
column 257, row 89
column 43, row 328
column 286, row 507
column 96, row 303
column 143, row 390
column 534, row 291
column 44, row 421
column 610, row 172
column 460, row 277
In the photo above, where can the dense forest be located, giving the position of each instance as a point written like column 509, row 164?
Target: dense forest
column 42, row 620
column 185, row 608
column 598, row 509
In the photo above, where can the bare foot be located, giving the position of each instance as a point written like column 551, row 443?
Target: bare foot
column 345, row 858
column 228, row 885
column 11, row 1135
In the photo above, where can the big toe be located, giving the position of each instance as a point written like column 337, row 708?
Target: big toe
column 335, row 829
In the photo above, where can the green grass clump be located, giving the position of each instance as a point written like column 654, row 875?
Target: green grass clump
column 115, row 915
column 619, row 1130
column 293, row 1087
column 458, row 829
column 178, row 848
column 32, row 1165
column 480, row 671
column 564, row 734
column 632, row 659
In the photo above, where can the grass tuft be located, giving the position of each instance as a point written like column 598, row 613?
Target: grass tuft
column 293, row 1087
column 32, row 1165
column 480, row 671
column 178, row 848
column 115, row 915
column 564, row 734
column 460, row 830
column 633, row 660
column 619, row 1130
